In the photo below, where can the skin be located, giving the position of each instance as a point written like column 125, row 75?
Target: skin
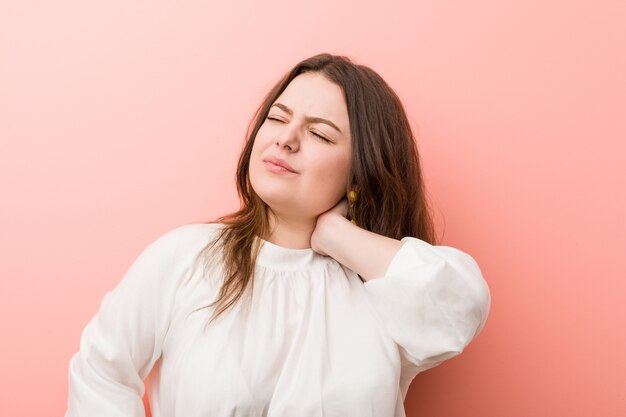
column 310, row 206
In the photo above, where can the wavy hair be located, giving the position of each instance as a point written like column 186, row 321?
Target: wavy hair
column 385, row 170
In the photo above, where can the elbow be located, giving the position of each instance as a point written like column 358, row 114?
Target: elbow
column 476, row 303
column 464, row 326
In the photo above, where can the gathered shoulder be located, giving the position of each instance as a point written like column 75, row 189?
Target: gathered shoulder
column 182, row 242
column 192, row 232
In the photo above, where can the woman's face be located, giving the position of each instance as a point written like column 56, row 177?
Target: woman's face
column 320, row 164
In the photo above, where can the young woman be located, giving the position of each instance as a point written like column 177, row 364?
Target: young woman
column 324, row 295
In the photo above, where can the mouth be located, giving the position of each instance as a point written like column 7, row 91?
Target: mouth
column 278, row 165
column 277, row 169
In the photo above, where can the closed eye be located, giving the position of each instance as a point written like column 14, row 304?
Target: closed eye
column 322, row 137
column 314, row 134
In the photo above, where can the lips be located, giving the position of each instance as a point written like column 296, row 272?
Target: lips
column 279, row 162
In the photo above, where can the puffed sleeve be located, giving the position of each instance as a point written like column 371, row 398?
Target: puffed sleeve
column 432, row 300
column 122, row 342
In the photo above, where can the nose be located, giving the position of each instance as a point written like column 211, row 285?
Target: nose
column 288, row 138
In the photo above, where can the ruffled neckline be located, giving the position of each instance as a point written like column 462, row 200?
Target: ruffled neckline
column 281, row 258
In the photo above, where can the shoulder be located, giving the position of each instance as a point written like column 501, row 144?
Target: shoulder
column 184, row 240
column 190, row 233
column 454, row 261
column 426, row 252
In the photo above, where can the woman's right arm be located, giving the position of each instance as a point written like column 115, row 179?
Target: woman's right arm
column 122, row 342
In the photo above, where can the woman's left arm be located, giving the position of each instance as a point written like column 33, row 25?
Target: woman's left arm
column 432, row 300
column 366, row 253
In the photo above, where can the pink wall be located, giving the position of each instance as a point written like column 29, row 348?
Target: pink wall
column 122, row 119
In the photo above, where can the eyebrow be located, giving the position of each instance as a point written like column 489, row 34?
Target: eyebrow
column 308, row 118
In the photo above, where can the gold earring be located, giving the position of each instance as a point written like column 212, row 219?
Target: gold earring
column 352, row 197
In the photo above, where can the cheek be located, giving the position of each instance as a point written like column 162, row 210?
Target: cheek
column 331, row 173
column 259, row 146
column 258, row 141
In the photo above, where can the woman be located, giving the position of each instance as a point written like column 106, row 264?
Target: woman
column 324, row 295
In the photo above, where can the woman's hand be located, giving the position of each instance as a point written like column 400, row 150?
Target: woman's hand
column 364, row 252
column 326, row 227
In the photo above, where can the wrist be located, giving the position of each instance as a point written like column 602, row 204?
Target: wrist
column 335, row 231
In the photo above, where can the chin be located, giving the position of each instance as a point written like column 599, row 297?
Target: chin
column 271, row 197
column 281, row 202
column 276, row 202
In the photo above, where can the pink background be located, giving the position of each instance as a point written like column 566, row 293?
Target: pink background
column 120, row 120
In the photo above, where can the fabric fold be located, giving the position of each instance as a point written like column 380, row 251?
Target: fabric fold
column 314, row 341
column 432, row 300
column 121, row 343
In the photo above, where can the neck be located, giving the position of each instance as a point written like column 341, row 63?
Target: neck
column 291, row 232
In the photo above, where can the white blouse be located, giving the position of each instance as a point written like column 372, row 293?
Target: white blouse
column 316, row 340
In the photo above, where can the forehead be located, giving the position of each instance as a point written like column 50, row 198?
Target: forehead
column 314, row 95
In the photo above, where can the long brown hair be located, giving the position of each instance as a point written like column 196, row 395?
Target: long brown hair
column 385, row 170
